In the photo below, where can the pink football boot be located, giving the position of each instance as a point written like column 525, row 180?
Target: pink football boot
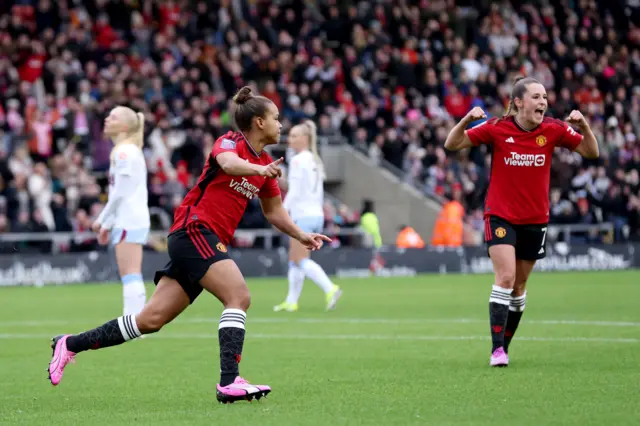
column 240, row 390
column 61, row 357
column 499, row 358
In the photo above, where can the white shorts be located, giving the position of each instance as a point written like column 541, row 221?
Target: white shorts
column 134, row 236
column 311, row 224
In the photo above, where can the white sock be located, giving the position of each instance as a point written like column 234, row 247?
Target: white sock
column 518, row 303
column 134, row 294
column 296, row 281
column 499, row 295
column 316, row 274
column 128, row 327
column 232, row 318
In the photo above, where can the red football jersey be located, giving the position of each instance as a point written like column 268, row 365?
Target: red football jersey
column 521, row 166
column 219, row 200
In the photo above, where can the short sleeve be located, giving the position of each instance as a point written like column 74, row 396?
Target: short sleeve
column 270, row 188
column 224, row 145
column 481, row 134
column 123, row 162
column 569, row 139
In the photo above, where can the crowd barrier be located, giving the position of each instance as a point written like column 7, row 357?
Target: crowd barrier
column 94, row 267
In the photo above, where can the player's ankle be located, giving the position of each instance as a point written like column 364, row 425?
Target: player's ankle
column 227, row 378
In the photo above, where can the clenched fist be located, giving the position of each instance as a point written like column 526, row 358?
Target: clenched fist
column 576, row 118
column 475, row 114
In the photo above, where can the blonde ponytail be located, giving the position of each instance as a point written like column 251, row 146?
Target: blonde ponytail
column 139, row 138
column 313, row 145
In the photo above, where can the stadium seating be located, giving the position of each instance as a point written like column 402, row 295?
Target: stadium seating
column 392, row 77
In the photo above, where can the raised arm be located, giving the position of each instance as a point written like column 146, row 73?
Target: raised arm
column 588, row 147
column 458, row 137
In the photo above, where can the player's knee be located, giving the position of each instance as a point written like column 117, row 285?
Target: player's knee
column 506, row 279
column 129, row 258
column 150, row 321
column 519, row 288
column 244, row 300
column 240, row 299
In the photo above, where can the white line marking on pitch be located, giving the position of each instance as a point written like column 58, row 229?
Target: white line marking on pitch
column 387, row 321
column 416, row 337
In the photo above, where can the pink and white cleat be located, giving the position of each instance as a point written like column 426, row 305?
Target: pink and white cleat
column 240, row 390
column 61, row 357
column 499, row 358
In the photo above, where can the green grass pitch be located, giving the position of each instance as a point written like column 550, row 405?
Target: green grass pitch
column 397, row 351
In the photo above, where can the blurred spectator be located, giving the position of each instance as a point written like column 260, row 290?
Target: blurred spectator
column 408, row 238
column 449, row 226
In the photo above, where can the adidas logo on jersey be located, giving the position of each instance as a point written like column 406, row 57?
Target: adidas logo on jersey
column 510, row 140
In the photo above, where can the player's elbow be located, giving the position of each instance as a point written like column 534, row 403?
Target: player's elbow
column 450, row 144
column 454, row 144
column 272, row 215
column 589, row 147
column 590, row 152
column 277, row 216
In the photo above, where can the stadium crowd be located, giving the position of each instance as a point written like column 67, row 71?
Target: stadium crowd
column 390, row 76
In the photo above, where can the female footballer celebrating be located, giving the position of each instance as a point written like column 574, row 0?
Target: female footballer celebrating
column 517, row 203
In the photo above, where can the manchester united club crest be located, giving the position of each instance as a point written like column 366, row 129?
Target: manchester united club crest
column 501, row 232
column 541, row 140
column 221, row 248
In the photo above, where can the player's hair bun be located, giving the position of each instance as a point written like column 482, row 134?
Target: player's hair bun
column 243, row 95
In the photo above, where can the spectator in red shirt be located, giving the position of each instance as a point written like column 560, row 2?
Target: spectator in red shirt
column 456, row 103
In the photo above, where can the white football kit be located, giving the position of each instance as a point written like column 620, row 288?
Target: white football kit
column 126, row 213
column 305, row 195
column 304, row 201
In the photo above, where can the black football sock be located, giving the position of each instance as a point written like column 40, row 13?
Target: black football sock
column 112, row 333
column 516, row 309
column 231, row 339
column 498, row 313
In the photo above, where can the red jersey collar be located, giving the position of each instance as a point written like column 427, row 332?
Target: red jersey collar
column 513, row 117
column 249, row 146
